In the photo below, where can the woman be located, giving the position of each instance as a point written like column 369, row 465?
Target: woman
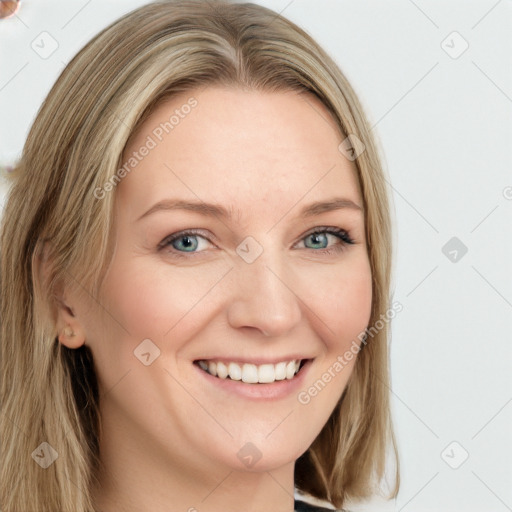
column 195, row 256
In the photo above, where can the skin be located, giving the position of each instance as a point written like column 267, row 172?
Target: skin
column 169, row 439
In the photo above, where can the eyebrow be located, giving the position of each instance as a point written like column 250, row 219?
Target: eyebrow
column 217, row 210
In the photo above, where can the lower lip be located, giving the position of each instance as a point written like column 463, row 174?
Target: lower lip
column 272, row 391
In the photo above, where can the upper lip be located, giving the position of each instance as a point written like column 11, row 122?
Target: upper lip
column 255, row 361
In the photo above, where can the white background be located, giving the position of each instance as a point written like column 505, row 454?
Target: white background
column 445, row 126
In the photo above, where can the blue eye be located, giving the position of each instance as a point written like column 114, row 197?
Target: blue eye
column 320, row 236
column 192, row 242
column 184, row 242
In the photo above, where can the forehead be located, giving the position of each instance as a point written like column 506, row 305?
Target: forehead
column 238, row 147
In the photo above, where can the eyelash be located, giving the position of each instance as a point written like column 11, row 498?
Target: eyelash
column 341, row 234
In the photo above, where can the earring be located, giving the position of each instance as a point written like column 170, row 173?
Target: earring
column 68, row 332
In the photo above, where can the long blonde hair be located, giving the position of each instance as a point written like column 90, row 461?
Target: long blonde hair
column 49, row 392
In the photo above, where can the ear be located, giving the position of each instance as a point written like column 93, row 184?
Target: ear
column 70, row 330
column 69, row 327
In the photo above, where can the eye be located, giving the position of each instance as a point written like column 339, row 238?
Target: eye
column 319, row 239
column 185, row 242
column 193, row 242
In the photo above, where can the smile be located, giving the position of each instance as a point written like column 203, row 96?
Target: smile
column 252, row 373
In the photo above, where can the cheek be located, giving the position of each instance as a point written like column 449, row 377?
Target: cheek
column 157, row 301
column 343, row 303
column 343, row 308
column 139, row 303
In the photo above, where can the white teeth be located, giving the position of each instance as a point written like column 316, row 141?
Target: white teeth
column 251, row 373
column 222, row 370
column 266, row 373
column 290, row 370
column 235, row 372
column 280, row 371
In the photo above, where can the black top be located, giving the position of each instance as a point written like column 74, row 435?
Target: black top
column 302, row 506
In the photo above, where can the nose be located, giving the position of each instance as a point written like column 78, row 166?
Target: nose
column 264, row 298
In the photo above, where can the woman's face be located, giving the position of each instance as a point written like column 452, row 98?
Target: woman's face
column 249, row 292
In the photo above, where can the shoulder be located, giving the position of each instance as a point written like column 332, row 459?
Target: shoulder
column 302, row 506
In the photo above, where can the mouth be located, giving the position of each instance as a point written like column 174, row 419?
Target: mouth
column 252, row 373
